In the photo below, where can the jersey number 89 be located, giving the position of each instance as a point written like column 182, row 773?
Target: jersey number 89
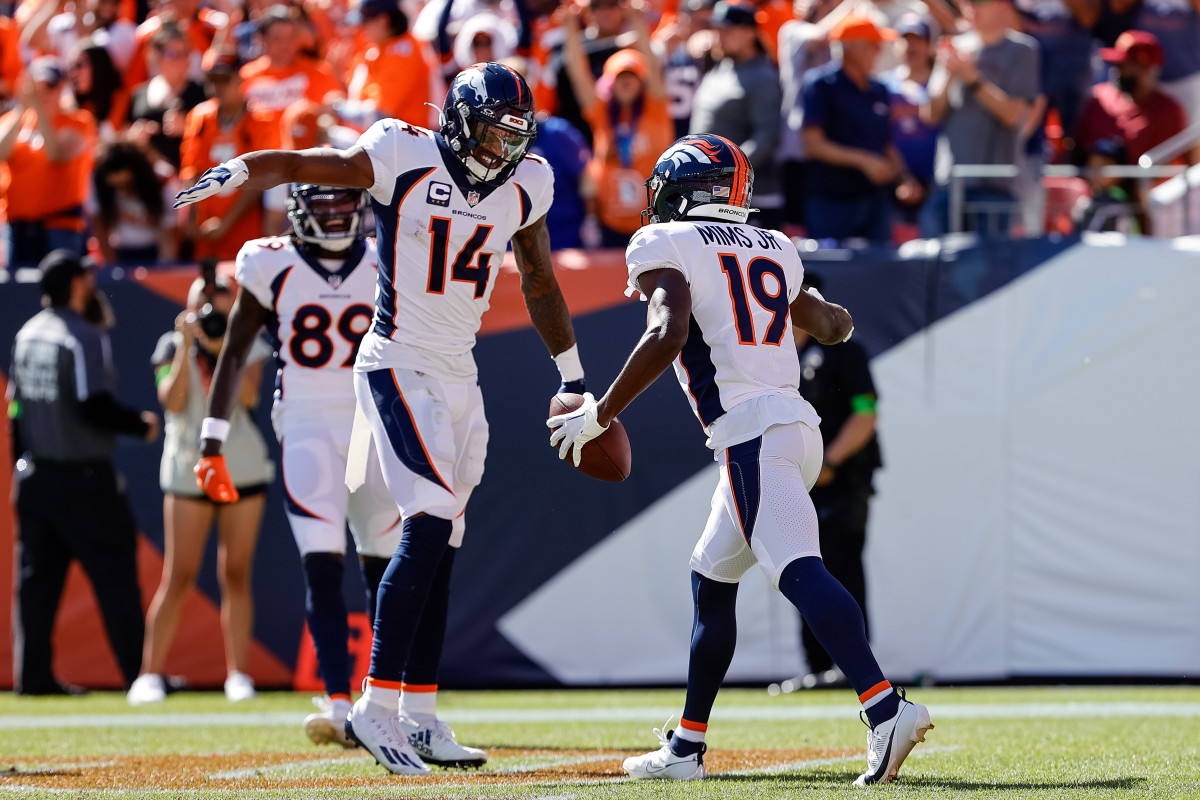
column 311, row 346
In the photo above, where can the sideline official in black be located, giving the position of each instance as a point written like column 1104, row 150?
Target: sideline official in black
column 69, row 498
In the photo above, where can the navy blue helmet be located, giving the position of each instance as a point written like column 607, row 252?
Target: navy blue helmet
column 701, row 176
column 488, row 120
column 326, row 216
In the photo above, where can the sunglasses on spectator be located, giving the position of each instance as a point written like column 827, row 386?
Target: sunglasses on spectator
column 174, row 52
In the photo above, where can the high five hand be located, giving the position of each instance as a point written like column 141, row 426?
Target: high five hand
column 220, row 178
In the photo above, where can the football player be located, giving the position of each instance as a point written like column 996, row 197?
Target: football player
column 723, row 296
column 446, row 205
column 315, row 290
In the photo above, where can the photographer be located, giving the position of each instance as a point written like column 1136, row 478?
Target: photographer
column 184, row 362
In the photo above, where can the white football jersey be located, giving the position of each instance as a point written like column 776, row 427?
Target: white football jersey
column 321, row 312
column 441, row 240
column 739, row 368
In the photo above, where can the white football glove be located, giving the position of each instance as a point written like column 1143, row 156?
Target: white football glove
column 214, row 181
column 576, row 429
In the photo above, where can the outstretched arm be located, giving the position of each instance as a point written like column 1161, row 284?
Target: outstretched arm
column 263, row 169
column 543, row 299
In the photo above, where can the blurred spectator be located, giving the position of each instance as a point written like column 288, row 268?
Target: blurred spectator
column 10, row 58
column 1063, row 32
column 627, row 111
column 184, row 361
column 130, row 224
column 1176, row 25
column 982, row 89
column 914, row 138
column 803, row 46
column 200, row 26
column 271, row 83
column 97, row 87
column 853, row 164
column 47, row 145
column 391, row 52
column 686, row 41
column 158, row 108
column 281, row 76
column 740, row 99
column 216, row 131
column 1113, row 204
column 604, row 20
column 98, row 20
column 771, row 16
column 1130, row 107
column 484, row 37
column 567, row 152
column 69, row 497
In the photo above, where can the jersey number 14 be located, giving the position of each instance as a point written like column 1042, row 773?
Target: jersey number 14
column 461, row 270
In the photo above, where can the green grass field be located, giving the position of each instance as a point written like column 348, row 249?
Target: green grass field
column 988, row 743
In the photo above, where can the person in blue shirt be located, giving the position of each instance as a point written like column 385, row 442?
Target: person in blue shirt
column 568, row 153
column 853, row 164
column 914, row 137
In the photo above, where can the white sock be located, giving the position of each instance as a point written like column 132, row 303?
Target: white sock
column 689, row 734
column 384, row 698
column 420, row 705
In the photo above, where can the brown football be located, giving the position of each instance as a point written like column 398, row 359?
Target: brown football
column 605, row 458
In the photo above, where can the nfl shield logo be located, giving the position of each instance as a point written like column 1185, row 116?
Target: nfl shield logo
column 472, row 198
column 335, row 281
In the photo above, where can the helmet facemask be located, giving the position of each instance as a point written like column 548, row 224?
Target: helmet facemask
column 492, row 149
column 327, row 217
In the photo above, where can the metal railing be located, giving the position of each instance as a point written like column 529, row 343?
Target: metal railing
column 994, row 210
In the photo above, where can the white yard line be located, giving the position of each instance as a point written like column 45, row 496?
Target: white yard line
column 781, row 712
column 270, row 769
column 530, row 766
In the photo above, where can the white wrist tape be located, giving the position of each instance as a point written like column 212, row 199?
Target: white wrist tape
column 570, row 368
column 214, row 428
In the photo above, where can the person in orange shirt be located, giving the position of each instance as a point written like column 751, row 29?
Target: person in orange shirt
column 47, row 145
column 10, row 57
column 274, row 81
column 627, row 110
column 281, row 76
column 216, row 131
column 391, row 75
column 772, row 14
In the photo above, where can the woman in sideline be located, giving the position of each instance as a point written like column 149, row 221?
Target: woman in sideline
column 184, row 361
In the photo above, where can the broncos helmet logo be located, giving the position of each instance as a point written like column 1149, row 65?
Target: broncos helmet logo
column 698, row 152
column 472, row 78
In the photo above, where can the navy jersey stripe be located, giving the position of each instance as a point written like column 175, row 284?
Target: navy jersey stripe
column 387, row 223
column 696, row 358
column 526, row 203
column 401, row 429
column 741, row 461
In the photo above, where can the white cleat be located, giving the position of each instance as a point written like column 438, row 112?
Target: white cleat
column 328, row 726
column 889, row 743
column 436, row 743
column 664, row 764
column 379, row 731
column 239, row 687
column 147, row 689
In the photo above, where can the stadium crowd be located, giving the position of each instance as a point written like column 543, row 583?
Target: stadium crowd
column 852, row 112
